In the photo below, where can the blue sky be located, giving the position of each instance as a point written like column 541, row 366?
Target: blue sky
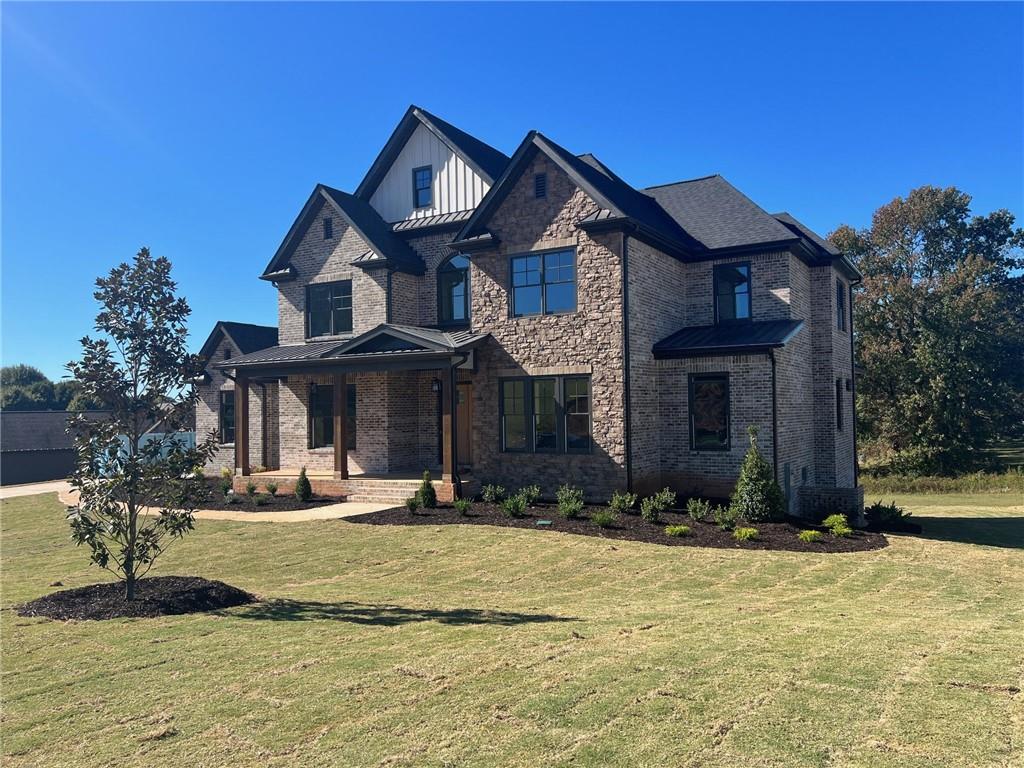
column 200, row 129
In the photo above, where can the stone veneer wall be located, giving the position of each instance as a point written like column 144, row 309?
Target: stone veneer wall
column 587, row 341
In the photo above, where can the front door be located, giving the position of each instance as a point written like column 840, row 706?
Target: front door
column 464, row 424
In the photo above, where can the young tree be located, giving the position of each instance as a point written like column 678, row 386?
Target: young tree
column 757, row 497
column 138, row 371
column 940, row 329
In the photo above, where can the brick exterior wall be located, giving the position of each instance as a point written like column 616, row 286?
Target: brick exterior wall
column 588, row 340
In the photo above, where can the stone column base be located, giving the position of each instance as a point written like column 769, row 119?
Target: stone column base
column 816, row 503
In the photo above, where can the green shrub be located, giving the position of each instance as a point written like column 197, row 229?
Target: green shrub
column 226, row 473
column 493, row 494
column 303, row 490
column 250, row 489
column 233, row 498
column 261, row 500
column 570, row 501
column 837, row 525
column 677, row 530
column 427, row 494
column 725, row 517
column 462, row 506
column 225, row 487
column 413, row 503
column 811, row 537
column 514, row 506
column 757, row 496
column 603, row 518
column 622, row 503
column 745, row 534
column 531, row 493
column 271, row 488
column 698, row 509
column 652, row 508
column 885, row 515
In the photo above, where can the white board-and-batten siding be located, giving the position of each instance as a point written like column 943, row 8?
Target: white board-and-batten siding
column 456, row 186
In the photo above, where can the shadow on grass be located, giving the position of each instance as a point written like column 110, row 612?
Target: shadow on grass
column 383, row 615
column 1005, row 532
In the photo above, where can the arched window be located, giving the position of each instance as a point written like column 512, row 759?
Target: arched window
column 453, row 291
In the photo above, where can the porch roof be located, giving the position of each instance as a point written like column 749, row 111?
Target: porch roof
column 387, row 345
column 728, row 339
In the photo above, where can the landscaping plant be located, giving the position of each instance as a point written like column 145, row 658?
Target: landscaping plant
column 271, row 488
column 493, row 494
column 262, row 500
column 677, row 530
column 698, row 509
column 225, row 487
column 652, row 508
column 745, row 534
column 838, row 525
column 250, row 489
column 303, row 490
column 570, row 501
column 810, row 536
column 725, row 517
column 412, row 503
column 138, row 370
column 514, row 506
column 462, row 506
column 427, row 494
column 885, row 515
column 603, row 518
column 757, row 497
column 531, row 493
column 623, row 503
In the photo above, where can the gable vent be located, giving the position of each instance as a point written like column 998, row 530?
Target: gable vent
column 540, row 185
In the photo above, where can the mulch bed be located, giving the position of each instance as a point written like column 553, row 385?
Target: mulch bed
column 772, row 536
column 214, row 499
column 157, row 596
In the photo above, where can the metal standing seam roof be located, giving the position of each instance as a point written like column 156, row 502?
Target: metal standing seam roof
column 729, row 338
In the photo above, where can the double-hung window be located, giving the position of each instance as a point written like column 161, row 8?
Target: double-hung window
column 321, row 416
column 422, row 195
column 709, row 412
column 546, row 414
column 732, row 292
column 227, row 416
column 544, row 283
column 840, row 305
column 329, row 308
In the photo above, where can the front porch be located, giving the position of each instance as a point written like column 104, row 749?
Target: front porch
column 391, row 487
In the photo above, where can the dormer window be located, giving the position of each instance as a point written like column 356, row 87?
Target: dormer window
column 732, row 293
column 422, row 196
column 453, row 291
column 328, row 228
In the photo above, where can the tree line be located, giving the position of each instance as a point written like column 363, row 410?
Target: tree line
column 26, row 388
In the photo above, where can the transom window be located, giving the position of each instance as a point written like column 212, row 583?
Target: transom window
column 227, row 416
column 321, row 416
column 709, row 412
column 840, row 305
column 329, row 308
column 544, row 283
column 453, row 291
column 546, row 415
column 732, row 292
column 422, row 195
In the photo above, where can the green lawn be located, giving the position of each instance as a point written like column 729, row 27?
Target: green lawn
column 473, row 646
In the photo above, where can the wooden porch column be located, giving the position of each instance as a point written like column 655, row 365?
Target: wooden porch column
column 450, row 431
column 241, row 425
column 340, row 423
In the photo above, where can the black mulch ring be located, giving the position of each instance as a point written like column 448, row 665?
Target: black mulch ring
column 214, row 499
column 157, row 596
column 773, row 536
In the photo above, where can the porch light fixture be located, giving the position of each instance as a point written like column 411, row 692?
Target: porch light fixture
column 435, row 385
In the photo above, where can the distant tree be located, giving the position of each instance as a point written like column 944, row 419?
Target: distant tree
column 139, row 370
column 940, row 329
column 25, row 388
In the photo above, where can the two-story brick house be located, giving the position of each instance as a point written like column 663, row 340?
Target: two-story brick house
column 536, row 319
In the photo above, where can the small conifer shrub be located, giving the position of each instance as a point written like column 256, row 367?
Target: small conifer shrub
column 757, row 496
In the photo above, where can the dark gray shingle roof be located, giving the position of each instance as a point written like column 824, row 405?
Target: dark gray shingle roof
column 717, row 214
column 38, row 430
column 804, row 231
column 247, row 336
column 732, row 338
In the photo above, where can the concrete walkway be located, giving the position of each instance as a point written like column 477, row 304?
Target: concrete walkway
column 329, row 512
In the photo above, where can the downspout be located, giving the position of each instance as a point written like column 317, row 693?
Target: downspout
column 775, row 420
column 853, row 388
column 627, row 421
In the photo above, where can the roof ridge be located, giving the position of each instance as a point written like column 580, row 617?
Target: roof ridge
column 683, row 181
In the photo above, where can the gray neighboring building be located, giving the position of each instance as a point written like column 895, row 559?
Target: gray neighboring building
column 35, row 446
column 537, row 319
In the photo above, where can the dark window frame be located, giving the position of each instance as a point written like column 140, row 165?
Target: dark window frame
column 351, row 415
column 332, row 331
column 561, row 414
column 328, row 228
column 227, row 399
column 711, row 376
column 540, row 186
column 840, row 305
column 543, row 283
column 416, row 189
column 444, row 268
column 750, row 292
